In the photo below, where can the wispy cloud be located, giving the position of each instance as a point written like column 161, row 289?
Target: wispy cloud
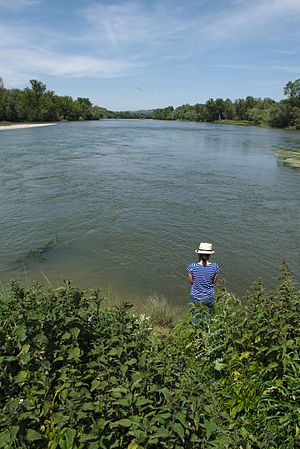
column 287, row 68
column 158, row 30
column 18, row 4
column 285, row 52
column 22, row 59
column 250, row 19
column 132, row 25
column 30, row 64
column 125, row 37
column 233, row 66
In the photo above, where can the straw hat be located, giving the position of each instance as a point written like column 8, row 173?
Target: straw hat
column 205, row 248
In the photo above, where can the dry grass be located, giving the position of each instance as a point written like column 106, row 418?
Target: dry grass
column 162, row 313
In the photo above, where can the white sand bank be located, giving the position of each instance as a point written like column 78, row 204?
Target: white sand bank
column 25, row 125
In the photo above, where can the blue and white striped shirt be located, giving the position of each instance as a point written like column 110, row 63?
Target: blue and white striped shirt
column 203, row 287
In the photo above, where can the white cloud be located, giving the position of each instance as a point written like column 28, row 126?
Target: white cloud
column 61, row 65
column 251, row 19
column 22, row 60
column 18, row 4
column 118, row 39
column 129, row 24
column 162, row 30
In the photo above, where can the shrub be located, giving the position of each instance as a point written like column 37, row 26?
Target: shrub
column 75, row 375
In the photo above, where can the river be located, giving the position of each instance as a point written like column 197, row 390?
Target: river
column 122, row 204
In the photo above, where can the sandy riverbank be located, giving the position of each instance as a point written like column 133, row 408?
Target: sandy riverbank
column 25, row 125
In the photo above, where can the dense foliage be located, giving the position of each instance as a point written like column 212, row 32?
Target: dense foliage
column 37, row 104
column 74, row 375
column 256, row 111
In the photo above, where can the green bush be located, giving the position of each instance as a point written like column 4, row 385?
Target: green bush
column 74, row 375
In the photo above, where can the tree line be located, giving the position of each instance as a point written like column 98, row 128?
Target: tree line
column 256, row 111
column 38, row 104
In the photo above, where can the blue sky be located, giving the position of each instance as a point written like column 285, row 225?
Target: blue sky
column 144, row 54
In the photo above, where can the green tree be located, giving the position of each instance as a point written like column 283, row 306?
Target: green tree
column 164, row 114
column 282, row 115
column 292, row 90
column 85, row 108
column 67, row 108
column 48, row 107
column 212, row 110
column 32, row 101
column 185, row 112
column 29, row 105
column 38, row 88
column 229, row 109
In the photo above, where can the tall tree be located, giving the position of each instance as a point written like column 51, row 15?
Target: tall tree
column 292, row 90
column 38, row 88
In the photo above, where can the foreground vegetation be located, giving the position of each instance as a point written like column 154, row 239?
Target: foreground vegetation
column 76, row 375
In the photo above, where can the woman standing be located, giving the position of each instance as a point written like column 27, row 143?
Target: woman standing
column 202, row 276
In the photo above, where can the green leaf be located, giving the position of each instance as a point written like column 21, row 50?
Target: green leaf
column 66, row 336
column 210, row 427
column 74, row 354
column 162, row 432
column 133, row 445
column 113, row 352
column 178, row 428
column 131, row 362
column 219, row 366
column 75, row 332
column 142, row 401
column 21, row 332
column 21, row 377
column 33, row 435
column 125, row 402
column 122, row 422
column 4, row 438
column 24, row 356
column 93, row 446
column 67, row 439
column 88, row 406
column 95, row 384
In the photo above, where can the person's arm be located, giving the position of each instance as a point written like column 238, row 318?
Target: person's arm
column 214, row 278
column 190, row 278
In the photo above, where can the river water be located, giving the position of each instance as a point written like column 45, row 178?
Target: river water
column 122, row 205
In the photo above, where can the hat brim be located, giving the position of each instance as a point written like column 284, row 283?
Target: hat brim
column 200, row 251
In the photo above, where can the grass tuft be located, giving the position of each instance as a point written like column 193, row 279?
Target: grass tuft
column 161, row 312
